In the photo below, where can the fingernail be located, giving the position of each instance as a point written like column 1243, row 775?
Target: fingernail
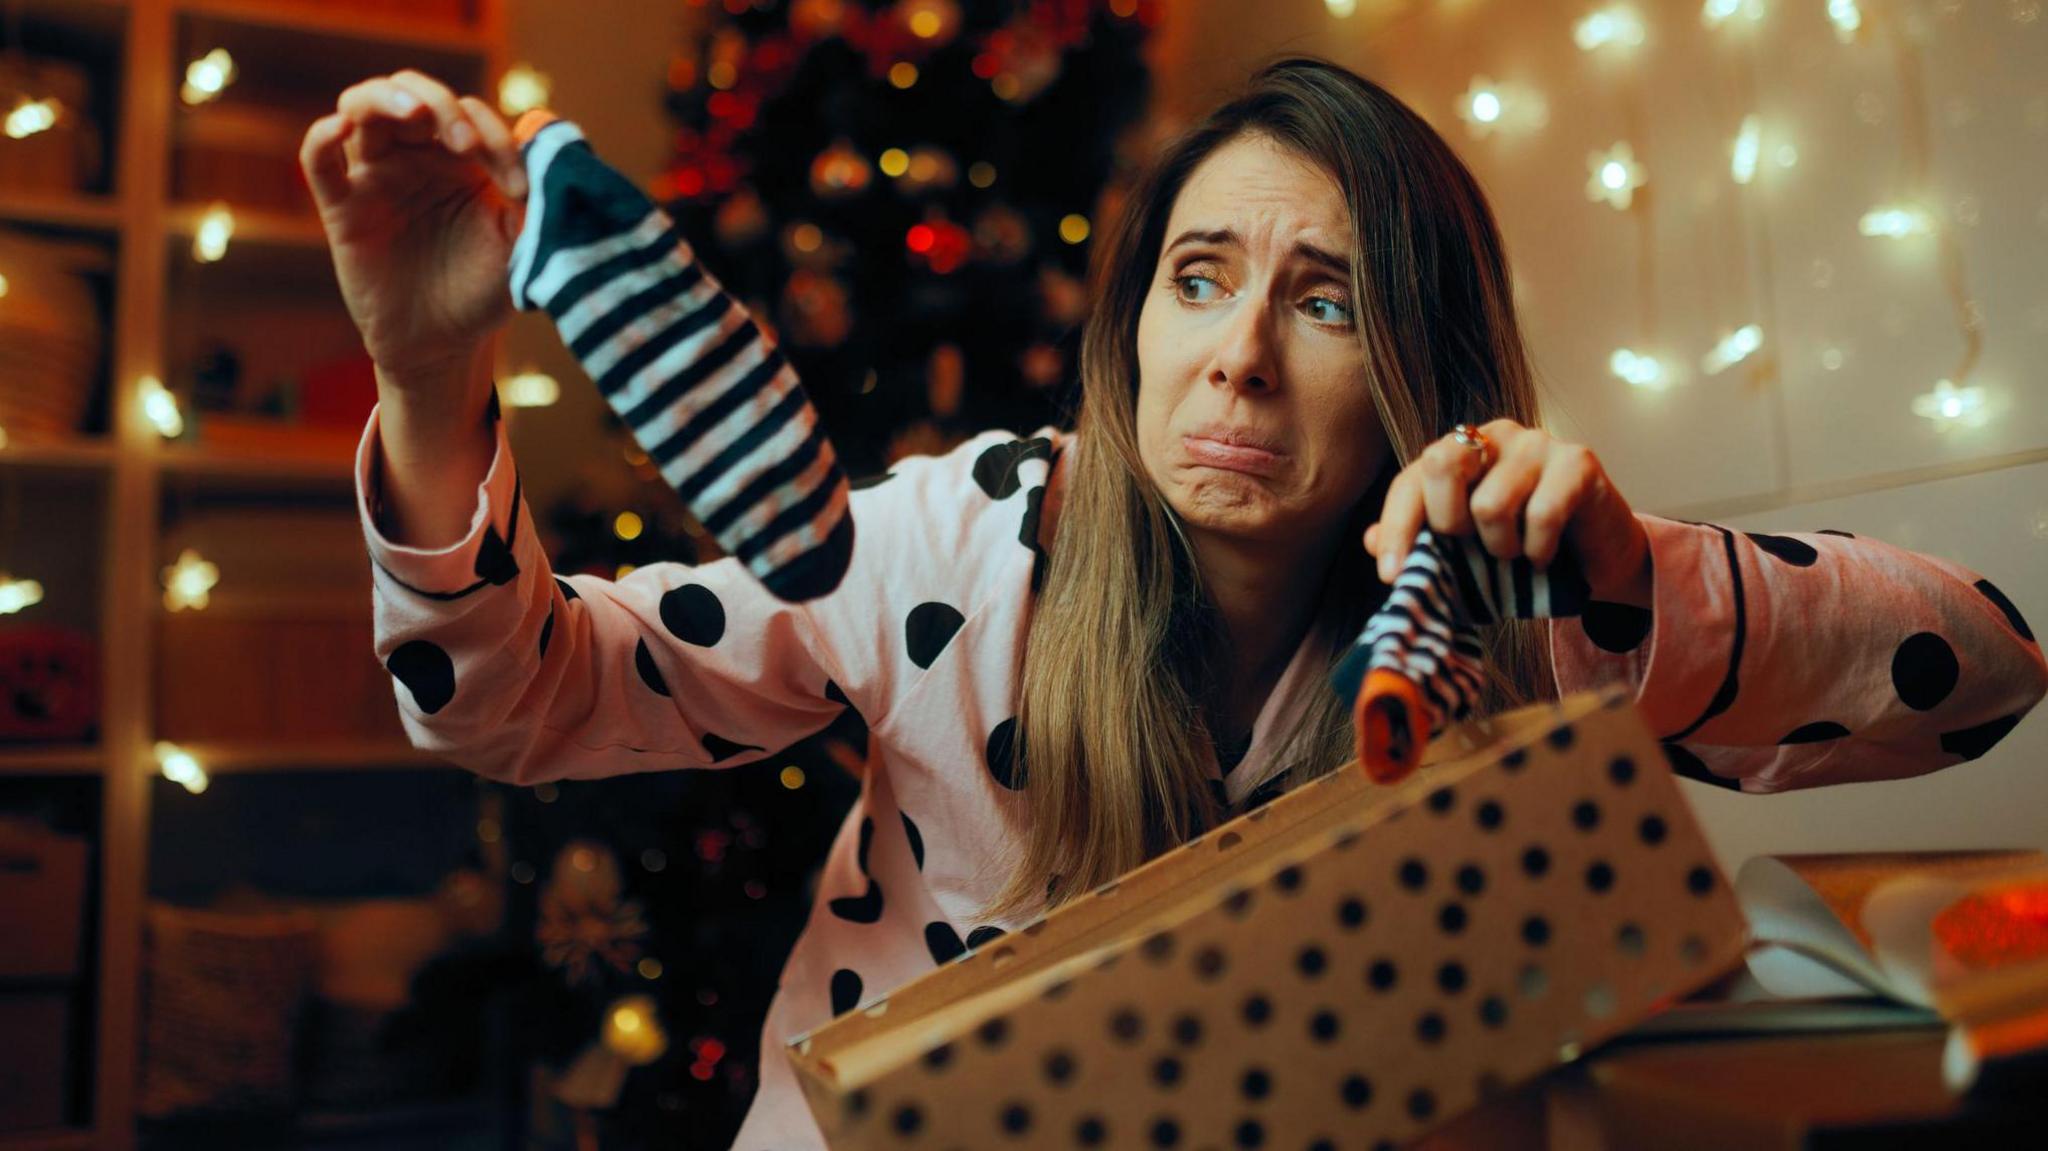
column 404, row 102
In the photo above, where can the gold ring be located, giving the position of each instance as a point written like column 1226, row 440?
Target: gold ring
column 1473, row 438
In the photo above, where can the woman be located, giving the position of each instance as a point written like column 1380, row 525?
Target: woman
column 1077, row 649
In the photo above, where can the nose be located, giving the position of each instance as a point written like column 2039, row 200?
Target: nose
column 1245, row 359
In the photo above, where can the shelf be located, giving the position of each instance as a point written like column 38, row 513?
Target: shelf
column 342, row 22
column 85, row 211
column 50, row 760
column 234, row 757
column 241, row 467
column 81, row 456
column 253, row 226
column 69, row 1139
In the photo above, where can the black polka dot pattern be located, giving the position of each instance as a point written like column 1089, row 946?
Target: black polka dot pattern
column 547, row 632
column 494, row 562
column 1001, row 753
column 929, row 628
column 846, row 987
column 718, row 747
column 693, row 614
column 1312, row 1004
column 2005, row 606
column 1786, row 549
column 996, row 469
column 866, row 482
column 916, row 839
column 426, row 671
column 1972, row 742
column 943, row 942
column 643, row 663
column 1616, row 627
column 1689, row 766
column 1027, row 534
column 1818, row 732
column 866, row 907
column 1924, row 670
column 568, row 592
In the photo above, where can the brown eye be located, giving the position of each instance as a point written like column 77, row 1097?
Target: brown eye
column 1324, row 310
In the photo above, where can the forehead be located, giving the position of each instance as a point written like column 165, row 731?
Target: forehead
column 1264, row 190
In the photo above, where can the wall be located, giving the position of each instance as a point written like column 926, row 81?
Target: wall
column 1818, row 429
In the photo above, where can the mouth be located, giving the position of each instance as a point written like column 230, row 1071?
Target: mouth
column 1234, row 449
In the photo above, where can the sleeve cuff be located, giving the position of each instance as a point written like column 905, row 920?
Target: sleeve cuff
column 1678, row 653
column 483, row 553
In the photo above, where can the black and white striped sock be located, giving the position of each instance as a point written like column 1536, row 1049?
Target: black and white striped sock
column 705, row 392
column 1426, row 631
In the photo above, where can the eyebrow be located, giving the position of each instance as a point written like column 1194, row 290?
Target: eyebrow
column 1228, row 237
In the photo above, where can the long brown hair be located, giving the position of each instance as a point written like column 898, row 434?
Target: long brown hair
column 1119, row 660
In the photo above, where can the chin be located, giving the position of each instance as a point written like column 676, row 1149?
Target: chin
column 1228, row 504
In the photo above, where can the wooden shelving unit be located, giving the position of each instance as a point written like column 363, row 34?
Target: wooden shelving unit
column 132, row 466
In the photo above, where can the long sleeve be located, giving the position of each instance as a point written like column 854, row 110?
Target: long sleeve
column 524, row 677
column 1774, row 662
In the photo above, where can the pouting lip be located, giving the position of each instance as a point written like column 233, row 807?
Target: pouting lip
column 1237, row 436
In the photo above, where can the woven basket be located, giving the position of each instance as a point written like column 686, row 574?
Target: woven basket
column 222, row 997
column 50, row 336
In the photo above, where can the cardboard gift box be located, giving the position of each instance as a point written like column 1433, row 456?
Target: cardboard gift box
column 1349, row 963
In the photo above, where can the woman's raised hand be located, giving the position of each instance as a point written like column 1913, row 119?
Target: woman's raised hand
column 1524, row 493
column 421, row 194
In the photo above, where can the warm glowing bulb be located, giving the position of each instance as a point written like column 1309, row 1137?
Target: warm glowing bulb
column 1734, row 348
column 3, row 287
column 1640, row 371
column 188, row 582
column 1715, row 13
column 633, row 1032
column 1341, row 8
column 1846, row 17
column 31, row 116
column 1748, row 143
column 894, row 162
column 1486, row 107
column 1895, row 221
column 1617, row 24
column 208, row 76
column 627, row 526
column 180, row 767
column 792, row 777
column 1950, row 406
column 523, row 88
column 1615, row 176
column 531, row 390
column 1074, row 228
column 16, row 594
column 925, row 23
column 902, row 74
column 981, row 174
column 210, row 240
column 160, row 408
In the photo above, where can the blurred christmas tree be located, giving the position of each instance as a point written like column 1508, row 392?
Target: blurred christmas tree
column 903, row 194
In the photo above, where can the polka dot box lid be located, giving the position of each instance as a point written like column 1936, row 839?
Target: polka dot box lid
column 1347, row 964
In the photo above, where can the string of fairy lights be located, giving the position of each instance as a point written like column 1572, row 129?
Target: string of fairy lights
column 1618, row 178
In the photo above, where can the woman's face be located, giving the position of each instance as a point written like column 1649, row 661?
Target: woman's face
column 1253, row 413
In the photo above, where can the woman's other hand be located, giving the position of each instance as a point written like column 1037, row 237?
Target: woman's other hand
column 421, row 194
column 1527, row 493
